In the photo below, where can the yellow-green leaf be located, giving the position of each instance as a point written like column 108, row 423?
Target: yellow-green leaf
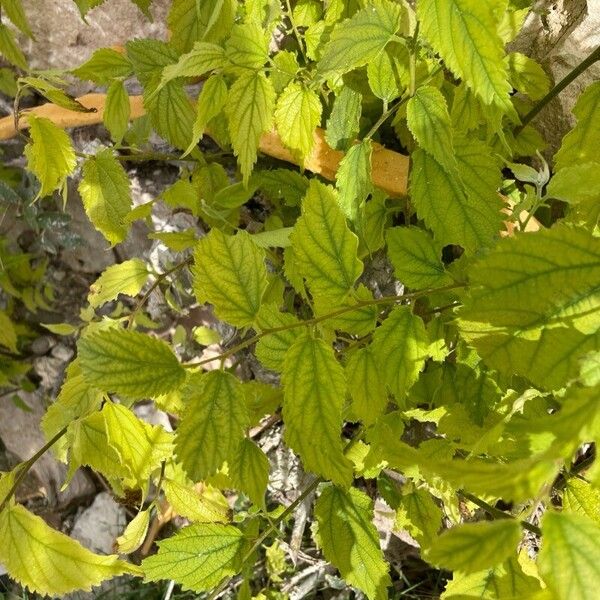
column 31, row 551
column 8, row 333
column 580, row 497
column 104, row 190
column 465, row 34
column 454, row 216
column 50, row 154
column 429, row 122
column 324, row 247
column 350, row 540
column 569, row 560
column 366, row 386
column 135, row 533
column 104, row 65
column 249, row 110
column 297, row 115
column 472, row 547
column 358, row 40
column 129, row 363
column 212, row 426
column 581, row 144
column 420, row 516
column 116, row 111
column 249, row 472
column 515, row 317
column 401, row 346
column 229, row 272
column 198, row 556
column 353, row 180
column 416, row 259
column 271, row 348
column 201, row 503
column 128, row 278
column 314, row 391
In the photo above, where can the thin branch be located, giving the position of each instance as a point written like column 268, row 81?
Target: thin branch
column 159, row 279
column 558, row 88
column 316, row 320
column 497, row 513
column 25, row 467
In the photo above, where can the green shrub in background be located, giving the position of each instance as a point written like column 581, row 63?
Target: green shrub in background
column 492, row 341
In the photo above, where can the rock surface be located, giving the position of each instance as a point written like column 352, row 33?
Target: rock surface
column 559, row 35
column 63, row 40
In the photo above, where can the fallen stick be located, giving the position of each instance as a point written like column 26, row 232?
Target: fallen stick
column 389, row 170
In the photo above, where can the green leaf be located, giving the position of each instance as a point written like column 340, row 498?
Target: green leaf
column 420, row 516
column 360, row 39
column 117, row 111
column 350, row 541
column 249, row 472
column 581, row 144
column 8, row 334
column 10, row 49
column 465, row 34
column 366, row 387
column 249, row 110
column 103, row 66
column 212, row 426
column 285, row 68
column 467, row 112
column 581, row 498
column 75, row 400
column 506, row 582
column 192, row 21
column 140, row 446
column 273, row 238
column 135, row 533
column 527, row 76
column 229, row 272
column 171, row 112
column 401, row 346
column 128, row 277
column 89, row 445
column 314, row 391
column 343, row 123
column 566, row 184
column 568, row 560
column 149, row 57
column 201, row 503
column 539, row 318
column 416, row 258
column 211, row 101
column 129, row 363
column 353, row 180
column 271, row 348
column 297, row 115
column 104, row 189
column 429, row 122
column 324, row 247
column 454, row 216
column 25, row 539
column 50, row 154
column 382, row 74
column 200, row 60
column 472, row 547
column 360, row 321
column 14, row 11
column 247, row 49
column 198, row 556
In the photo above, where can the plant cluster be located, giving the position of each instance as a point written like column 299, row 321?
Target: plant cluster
column 464, row 394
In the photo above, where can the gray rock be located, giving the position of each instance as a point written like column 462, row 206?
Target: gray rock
column 99, row 525
column 63, row 40
column 559, row 35
column 22, row 437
